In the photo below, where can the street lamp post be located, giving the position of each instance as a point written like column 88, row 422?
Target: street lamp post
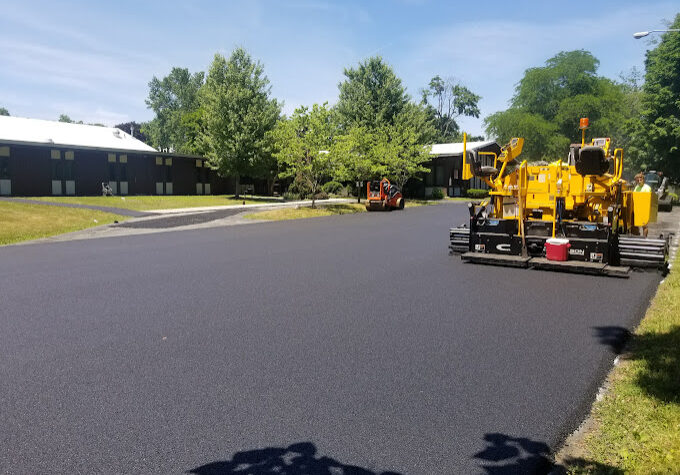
column 642, row 34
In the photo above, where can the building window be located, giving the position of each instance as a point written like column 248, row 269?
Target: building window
column 112, row 158
column 122, row 158
column 68, row 155
column 159, row 160
column 55, row 154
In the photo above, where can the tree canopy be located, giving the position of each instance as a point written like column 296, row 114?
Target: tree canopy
column 238, row 112
column 660, row 129
column 446, row 100
column 304, row 146
column 4, row 111
column 371, row 95
column 174, row 99
column 549, row 101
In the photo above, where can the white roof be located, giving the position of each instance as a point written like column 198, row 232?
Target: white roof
column 442, row 149
column 48, row 132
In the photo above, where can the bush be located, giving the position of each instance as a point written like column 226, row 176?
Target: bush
column 347, row 191
column 300, row 188
column 437, row 194
column 290, row 196
column 321, row 195
column 476, row 193
column 332, row 187
column 674, row 198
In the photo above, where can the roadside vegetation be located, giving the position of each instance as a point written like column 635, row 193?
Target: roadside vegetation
column 301, row 212
column 637, row 423
column 147, row 203
column 22, row 222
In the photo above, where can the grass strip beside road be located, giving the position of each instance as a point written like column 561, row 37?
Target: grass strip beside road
column 151, row 202
column 302, row 212
column 637, row 423
column 22, row 221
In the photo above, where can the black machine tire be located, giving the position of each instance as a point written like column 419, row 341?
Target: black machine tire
column 401, row 203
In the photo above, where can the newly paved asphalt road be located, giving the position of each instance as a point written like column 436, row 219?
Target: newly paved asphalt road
column 350, row 344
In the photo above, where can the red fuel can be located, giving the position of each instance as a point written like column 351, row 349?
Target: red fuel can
column 557, row 249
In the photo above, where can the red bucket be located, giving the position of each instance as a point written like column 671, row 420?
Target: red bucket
column 557, row 249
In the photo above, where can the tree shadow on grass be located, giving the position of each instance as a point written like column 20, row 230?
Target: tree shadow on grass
column 507, row 455
column 660, row 355
column 296, row 459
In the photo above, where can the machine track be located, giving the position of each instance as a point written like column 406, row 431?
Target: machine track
column 644, row 252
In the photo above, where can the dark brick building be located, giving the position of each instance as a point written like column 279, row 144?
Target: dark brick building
column 43, row 158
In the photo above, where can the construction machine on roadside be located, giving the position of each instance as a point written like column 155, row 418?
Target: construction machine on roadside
column 574, row 215
column 381, row 195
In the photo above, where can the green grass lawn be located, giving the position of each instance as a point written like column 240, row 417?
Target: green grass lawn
column 282, row 214
column 21, row 221
column 637, row 423
column 145, row 203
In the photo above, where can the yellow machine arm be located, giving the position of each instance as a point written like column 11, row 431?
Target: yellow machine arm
column 509, row 152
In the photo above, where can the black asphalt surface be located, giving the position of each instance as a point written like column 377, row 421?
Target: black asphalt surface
column 107, row 209
column 349, row 344
column 184, row 219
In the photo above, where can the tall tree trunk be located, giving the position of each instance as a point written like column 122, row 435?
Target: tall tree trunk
column 359, row 192
column 270, row 186
column 237, row 184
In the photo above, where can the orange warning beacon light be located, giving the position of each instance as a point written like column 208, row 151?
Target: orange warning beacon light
column 583, row 125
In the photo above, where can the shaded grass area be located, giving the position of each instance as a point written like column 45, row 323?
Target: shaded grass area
column 145, row 203
column 21, row 221
column 282, row 214
column 637, row 423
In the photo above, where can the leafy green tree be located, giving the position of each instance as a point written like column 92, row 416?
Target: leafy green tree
column 238, row 113
column 402, row 146
column 371, row 95
column 357, row 160
column 542, row 138
column 172, row 99
column 661, row 102
column 66, row 119
column 549, row 101
column 447, row 100
column 304, row 144
column 4, row 111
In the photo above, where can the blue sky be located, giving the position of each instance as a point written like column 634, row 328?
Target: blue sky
column 93, row 60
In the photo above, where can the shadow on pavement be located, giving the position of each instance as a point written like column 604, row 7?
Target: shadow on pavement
column 509, row 455
column 613, row 337
column 506, row 455
column 296, row 459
